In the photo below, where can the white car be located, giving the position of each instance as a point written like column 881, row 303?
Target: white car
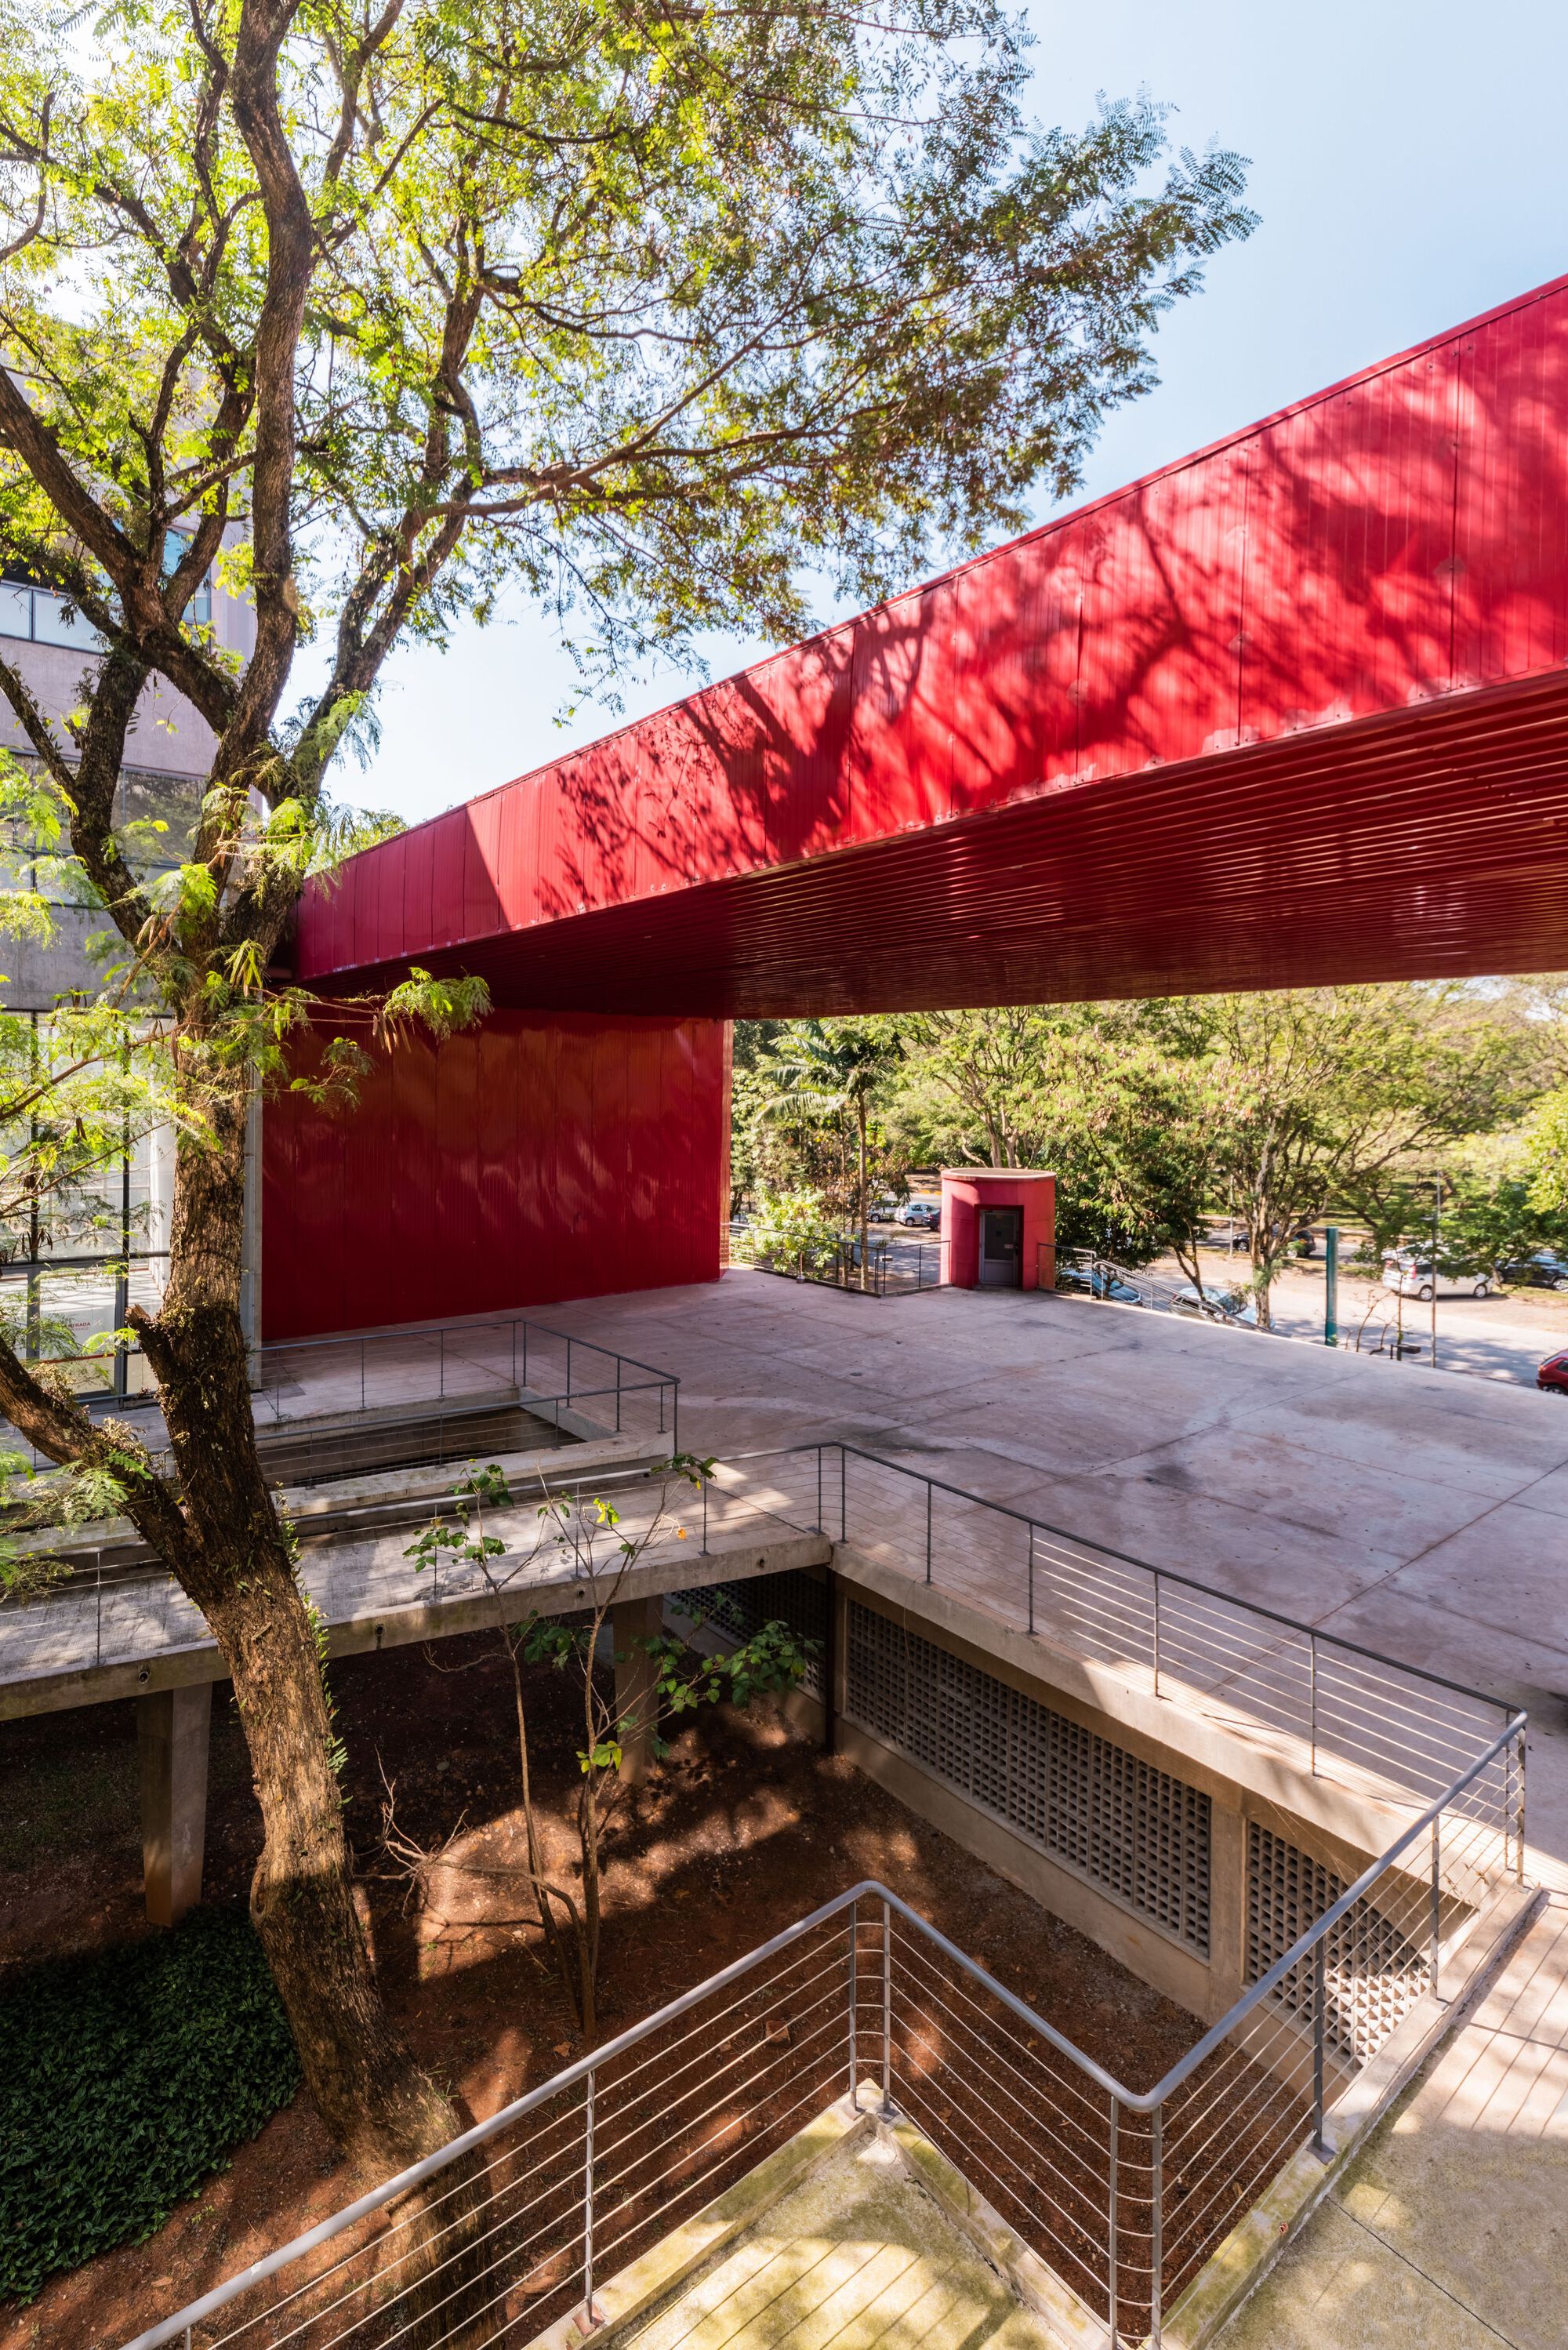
column 1411, row 1276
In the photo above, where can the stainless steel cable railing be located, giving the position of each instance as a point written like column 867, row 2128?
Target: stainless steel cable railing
column 1391, row 1729
column 1123, row 2192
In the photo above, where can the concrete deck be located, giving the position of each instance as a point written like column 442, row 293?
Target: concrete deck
column 1450, row 2231
column 90, row 1641
column 1422, row 1517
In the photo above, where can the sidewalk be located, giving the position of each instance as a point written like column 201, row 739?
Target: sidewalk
column 1450, row 2232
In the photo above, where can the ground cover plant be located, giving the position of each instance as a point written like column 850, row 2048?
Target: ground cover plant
column 127, row 2078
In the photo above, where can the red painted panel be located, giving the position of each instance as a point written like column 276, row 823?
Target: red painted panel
column 1511, row 542
column 528, row 1161
column 1397, row 542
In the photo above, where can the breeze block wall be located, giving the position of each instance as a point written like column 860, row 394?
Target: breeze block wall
column 536, row 1157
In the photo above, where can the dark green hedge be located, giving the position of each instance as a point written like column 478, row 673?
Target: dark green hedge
column 126, row 2080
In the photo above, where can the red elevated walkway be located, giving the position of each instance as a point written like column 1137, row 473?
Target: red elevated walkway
column 1291, row 709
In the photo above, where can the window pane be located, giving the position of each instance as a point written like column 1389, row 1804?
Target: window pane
column 16, row 610
column 55, row 623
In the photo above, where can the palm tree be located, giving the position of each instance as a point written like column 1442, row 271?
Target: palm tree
column 820, row 1069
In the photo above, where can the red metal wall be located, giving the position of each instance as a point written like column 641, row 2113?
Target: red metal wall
column 1400, row 538
column 967, row 1192
column 531, row 1159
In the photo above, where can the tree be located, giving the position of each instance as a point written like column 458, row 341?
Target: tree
column 376, row 311
column 1546, row 1156
column 1322, row 1094
column 832, row 1069
column 590, row 1540
column 1127, row 1132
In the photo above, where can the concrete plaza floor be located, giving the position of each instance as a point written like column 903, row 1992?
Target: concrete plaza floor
column 1420, row 1516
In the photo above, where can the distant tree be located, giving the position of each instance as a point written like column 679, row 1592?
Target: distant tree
column 1320, row 1092
column 833, row 1069
column 1546, row 1157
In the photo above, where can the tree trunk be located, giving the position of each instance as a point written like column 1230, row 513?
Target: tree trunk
column 376, row 2102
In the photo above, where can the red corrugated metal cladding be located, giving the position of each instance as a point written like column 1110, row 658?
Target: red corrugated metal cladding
column 530, row 1159
column 1399, row 539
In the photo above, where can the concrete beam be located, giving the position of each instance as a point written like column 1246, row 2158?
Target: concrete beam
column 668, row 1568
column 172, row 1732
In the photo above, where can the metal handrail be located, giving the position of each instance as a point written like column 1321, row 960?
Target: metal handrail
column 1122, row 1558
column 171, row 2328
column 1147, row 2102
column 410, row 1331
column 1266, row 1984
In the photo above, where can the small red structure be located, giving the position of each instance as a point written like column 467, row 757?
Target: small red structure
column 995, row 1222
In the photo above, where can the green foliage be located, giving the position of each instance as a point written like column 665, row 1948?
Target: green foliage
column 126, row 2081
column 1546, row 1155
column 792, row 1228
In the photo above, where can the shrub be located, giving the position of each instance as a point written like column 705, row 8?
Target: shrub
column 126, row 2080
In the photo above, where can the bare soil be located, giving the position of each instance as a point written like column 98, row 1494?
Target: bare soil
column 745, row 1828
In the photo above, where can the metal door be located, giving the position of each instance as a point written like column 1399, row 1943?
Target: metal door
column 1000, row 1248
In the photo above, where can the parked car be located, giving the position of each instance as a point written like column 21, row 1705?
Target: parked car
column 1100, row 1281
column 1215, row 1305
column 1222, row 1237
column 1412, row 1277
column 922, row 1215
column 1552, row 1375
column 1544, row 1270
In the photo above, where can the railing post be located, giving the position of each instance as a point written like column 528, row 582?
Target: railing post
column 1435, row 1924
column 930, row 1497
column 843, row 1495
column 1519, row 1820
column 1311, row 1651
column 1319, row 2032
column 1156, row 2223
column 617, row 1394
column 524, row 1353
column 887, row 2107
column 704, row 1514
column 854, row 1958
column 1157, row 1633
column 1031, row 1576
column 442, row 1390
column 568, row 1373
column 588, row 2312
column 1112, row 2278
column 819, row 1528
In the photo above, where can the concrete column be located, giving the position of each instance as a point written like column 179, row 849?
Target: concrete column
column 1227, row 1908
column 173, row 1728
column 635, row 1677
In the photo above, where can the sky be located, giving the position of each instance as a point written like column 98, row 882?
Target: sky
column 1410, row 169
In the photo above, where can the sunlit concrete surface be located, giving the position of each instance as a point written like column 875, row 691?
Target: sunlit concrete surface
column 1423, row 1517
column 858, row 2257
column 88, row 1641
column 1450, row 2232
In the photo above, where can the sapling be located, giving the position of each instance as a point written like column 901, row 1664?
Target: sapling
column 588, row 1544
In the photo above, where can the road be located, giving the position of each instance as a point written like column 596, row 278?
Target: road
column 1500, row 1337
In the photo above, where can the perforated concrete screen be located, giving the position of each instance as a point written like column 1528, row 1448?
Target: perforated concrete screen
column 1126, row 1826
column 1373, row 1973
column 739, row 1609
